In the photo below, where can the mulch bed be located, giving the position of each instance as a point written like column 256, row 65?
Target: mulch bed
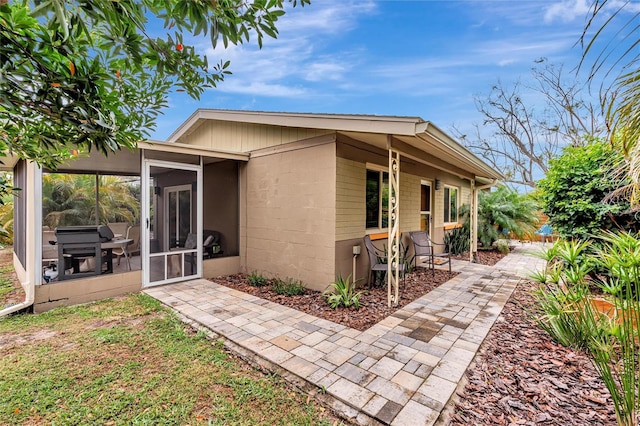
column 523, row 377
column 373, row 303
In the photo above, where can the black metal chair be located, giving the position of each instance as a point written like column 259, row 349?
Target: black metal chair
column 423, row 246
column 377, row 260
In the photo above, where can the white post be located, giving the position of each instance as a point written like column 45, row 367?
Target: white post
column 393, row 238
column 473, row 231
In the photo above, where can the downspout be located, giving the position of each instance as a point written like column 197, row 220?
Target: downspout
column 29, row 288
column 473, row 250
column 34, row 181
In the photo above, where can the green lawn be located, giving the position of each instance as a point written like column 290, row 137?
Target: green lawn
column 131, row 361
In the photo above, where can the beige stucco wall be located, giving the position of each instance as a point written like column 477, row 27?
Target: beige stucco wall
column 220, row 203
column 73, row 292
column 246, row 137
column 288, row 224
column 220, row 266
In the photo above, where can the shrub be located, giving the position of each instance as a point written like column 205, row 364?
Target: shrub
column 502, row 245
column 342, row 293
column 571, row 317
column 257, row 280
column 288, row 286
column 456, row 241
column 573, row 190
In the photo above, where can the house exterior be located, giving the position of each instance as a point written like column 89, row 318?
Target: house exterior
column 291, row 195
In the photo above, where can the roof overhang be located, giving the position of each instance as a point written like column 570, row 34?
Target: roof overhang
column 180, row 148
column 412, row 136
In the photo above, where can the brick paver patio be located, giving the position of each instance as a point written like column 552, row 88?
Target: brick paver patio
column 401, row 371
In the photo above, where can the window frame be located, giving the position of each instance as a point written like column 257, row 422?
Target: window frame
column 447, row 204
column 381, row 208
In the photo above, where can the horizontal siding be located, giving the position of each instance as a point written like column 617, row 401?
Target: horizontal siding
column 409, row 202
column 350, row 199
column 246, row 137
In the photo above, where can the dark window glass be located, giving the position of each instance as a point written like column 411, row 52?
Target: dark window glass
column 373, row 198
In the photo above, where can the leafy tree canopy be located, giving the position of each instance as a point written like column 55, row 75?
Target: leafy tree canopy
column 92, row 75
column 576, row 184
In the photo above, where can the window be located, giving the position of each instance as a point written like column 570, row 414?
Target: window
column 377, row 202
column 450, row 204
column 425, row 207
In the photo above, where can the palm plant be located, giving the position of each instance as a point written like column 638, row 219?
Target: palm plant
column 503, row 211
column 71, row 200
column 621, row 102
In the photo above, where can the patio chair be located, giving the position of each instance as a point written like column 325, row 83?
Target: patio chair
column 378, row 260
column 133, row 233
column 423, row 246
column 545, row 231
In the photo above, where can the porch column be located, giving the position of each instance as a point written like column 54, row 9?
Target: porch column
column 473, row 229
column 393, row 238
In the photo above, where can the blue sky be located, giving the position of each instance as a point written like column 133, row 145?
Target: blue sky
column 418, row 58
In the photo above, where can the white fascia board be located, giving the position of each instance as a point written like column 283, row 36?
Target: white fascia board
column 353, row 123
column 448, row 143
column 180, row 148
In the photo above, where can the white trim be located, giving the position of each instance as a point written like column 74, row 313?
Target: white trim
column 457, row 188
column 144, row 234
column 167, row 191
column 381, row 170
column 430, row 184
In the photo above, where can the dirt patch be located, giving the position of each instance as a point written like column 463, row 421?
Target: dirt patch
column 15, row 339
column 522, row 376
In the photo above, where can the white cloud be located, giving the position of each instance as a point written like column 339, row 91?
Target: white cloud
column 570, row 10
column 567, row 10
column 294, row 55
column 262, row 89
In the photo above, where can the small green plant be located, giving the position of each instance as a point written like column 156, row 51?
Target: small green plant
column 571, row 315
column 502, row 245
column 288, row 286
column 343, row 292
column 256, row 279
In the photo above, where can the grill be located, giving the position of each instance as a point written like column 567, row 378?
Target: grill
column 77, row 243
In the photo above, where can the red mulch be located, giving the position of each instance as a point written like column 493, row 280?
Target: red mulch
column 523, row 377
column 373, row 303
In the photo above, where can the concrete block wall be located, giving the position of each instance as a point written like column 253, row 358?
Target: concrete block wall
column 290, row 214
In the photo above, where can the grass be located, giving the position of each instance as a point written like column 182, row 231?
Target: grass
column 6, row 281
column 131, row 361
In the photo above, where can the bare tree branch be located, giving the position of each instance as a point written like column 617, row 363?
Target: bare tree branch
column 519, row 136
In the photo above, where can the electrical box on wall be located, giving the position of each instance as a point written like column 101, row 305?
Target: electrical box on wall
column 356, row 250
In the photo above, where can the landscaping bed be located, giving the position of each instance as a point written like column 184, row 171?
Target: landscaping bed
column 373, row 303
column 522, row 376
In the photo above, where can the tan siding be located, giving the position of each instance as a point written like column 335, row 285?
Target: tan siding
column 409, row 202
column 290, row 215
column 245, row 137
column 350, row 199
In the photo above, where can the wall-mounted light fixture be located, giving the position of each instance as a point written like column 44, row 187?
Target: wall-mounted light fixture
column 437, row 184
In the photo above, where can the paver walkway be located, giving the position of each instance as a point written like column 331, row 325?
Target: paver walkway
column 401, row 371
